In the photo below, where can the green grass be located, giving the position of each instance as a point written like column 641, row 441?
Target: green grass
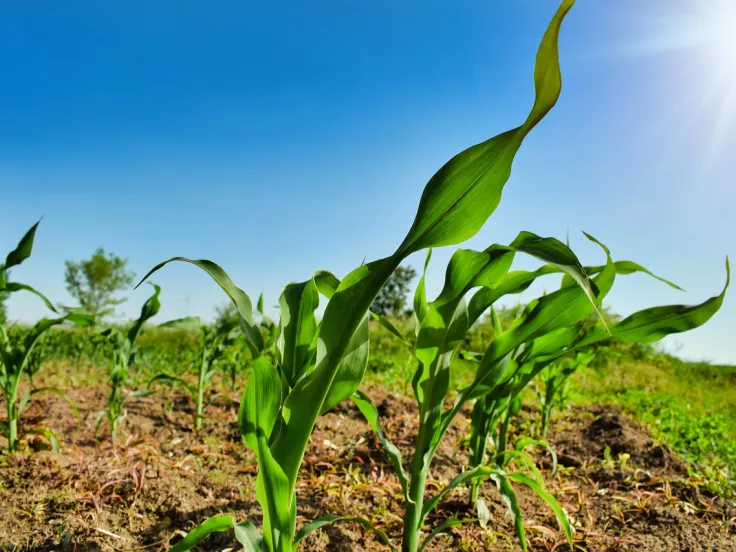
column 689, row 406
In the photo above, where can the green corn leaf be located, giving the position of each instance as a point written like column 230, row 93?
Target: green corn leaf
column 239, row 298
column 461, row 196
column 442, row 528
column 11, row 287
column 326, row 282
column 385, row 323
column 624, row 268
column 512, row 503
column 468, row 269
column 558, row 256
column 149, row 310
column 260, row 405
column 259, row 304
column 352, row 367
column 215, row 524
column 552, row 312
column 325, row 520
column 420, row 295
column 653, row 324
column 248, row 535
column 473, row 473
column 549, row 499
column 298, row 328
column 40, row 328
column 22, row 250
column 496, row 322
column 188, row 323
column 370, row 412
column 259, row 410
column 56, row 391
column 527, row 442
column 345, row 311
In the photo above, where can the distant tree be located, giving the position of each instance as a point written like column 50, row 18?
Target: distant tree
column 94, row 282
column 392, row 300
column 226, row 315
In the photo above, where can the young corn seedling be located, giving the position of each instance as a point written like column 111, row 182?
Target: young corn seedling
column 552, row 391
column 124, row 355
column 213, row 343
column 546, row 330
column 318, row 364
column 16, row 349
column 493, row 411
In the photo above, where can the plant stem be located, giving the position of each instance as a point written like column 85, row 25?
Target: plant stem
column 203, row 368
column 503, row 433
column 413, row 508
column 12, row 424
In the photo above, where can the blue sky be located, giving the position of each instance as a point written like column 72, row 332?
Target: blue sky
column 276, row 140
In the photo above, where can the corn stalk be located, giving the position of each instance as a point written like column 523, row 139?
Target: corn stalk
column 16, row 350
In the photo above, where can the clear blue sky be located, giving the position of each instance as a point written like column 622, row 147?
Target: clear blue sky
column 276, row 140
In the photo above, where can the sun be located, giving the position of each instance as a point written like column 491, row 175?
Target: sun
column 702, row 34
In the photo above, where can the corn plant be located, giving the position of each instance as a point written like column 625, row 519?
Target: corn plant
column 318, row 364
column 547, row 329
column 552, row 390
column 124, row 356
column 213, row 343
column 17, row 349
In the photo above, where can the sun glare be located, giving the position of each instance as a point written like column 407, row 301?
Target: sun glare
column 702, row 34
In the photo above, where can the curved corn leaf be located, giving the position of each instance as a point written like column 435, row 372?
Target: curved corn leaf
column 325, row 520
column 326, row 282
column 239, row 298
column 624, row 268
column 215, row 524
column 22, row 250
column 56, row 391
column 473, row 473
column 653, row 324
column 188, row 323
column 554, row 312
column 549, row 499
column 385, row 323
column 149, row 310
column 526, row 442
column 442, row 528
column 248, row 535
column 509, row 497
column 370, row 413
column 11, row 287
column 461, row 196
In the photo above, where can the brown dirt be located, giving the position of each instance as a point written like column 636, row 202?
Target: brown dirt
column 623, row 491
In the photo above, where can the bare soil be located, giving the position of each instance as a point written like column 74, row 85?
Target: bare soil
column 623, row 491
